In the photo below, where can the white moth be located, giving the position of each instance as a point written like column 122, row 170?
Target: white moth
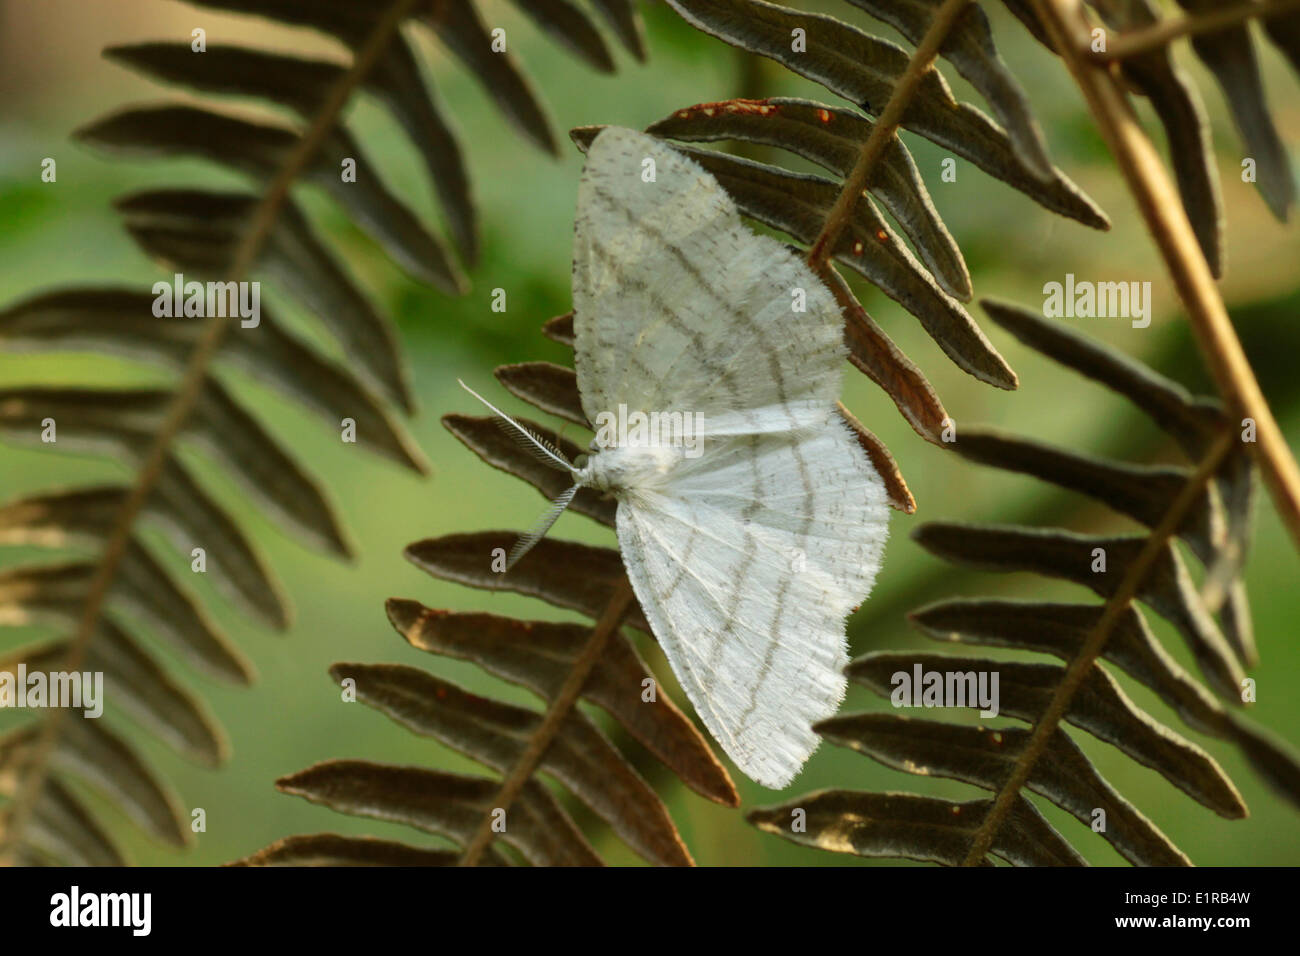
column 753, row 523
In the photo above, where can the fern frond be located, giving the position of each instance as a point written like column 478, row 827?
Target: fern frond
column 226, row 237
column 1229, row 52
column 1173, row 502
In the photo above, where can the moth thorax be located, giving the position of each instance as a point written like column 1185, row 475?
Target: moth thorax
column 630, row 466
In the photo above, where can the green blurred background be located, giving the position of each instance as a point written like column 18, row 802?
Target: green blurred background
column 66, row 233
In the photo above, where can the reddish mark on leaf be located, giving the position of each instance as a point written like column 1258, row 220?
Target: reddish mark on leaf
column 882, row 235
column 857, row 247
column 824, row 115
column 761, row 107
column 738, row 106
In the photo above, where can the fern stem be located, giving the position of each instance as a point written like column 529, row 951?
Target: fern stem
column 883, row 132
column 1092, row 647
column 1166, row 31
column 36, row 767
column 564, row 701
column 1167, row 221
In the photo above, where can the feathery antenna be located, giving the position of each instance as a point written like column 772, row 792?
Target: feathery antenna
column 541, row 449
column 525, row 544
column 545, row 452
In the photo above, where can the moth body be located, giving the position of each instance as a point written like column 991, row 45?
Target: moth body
column 624, row 469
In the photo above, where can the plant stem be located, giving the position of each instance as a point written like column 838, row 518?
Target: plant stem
column 1091, row 649
column 883, row 132
column 1160, row 34
column 561, row 706
column 186, row 396
column 1163, row 212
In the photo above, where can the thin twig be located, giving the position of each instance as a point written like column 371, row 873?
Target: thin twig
column 1163, row 32
column 561, row 706
column 184, row 399
column 1163, row 212
column 883, row 132
column 1134, row 577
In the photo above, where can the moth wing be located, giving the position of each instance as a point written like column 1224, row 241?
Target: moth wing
column 747, row 563
column 677, row 306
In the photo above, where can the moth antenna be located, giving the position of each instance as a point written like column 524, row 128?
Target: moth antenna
column 525, row 544
column 543, row 450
